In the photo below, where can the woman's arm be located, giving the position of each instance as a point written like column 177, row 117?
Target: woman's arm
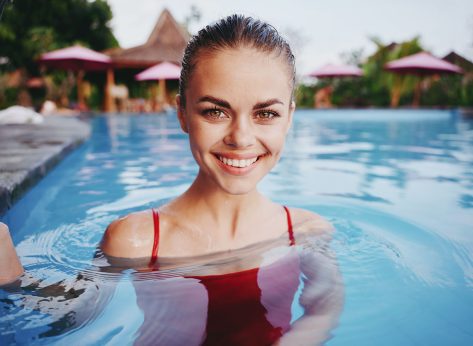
column 323, row 293
column 322, row 299
column 68, row 302
column 127, row 237
column 10, row 266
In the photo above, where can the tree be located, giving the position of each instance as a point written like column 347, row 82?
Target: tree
column 398, row 85
column 29, row 28
column 193, row 16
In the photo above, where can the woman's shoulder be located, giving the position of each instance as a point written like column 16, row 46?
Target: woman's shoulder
column 306, row 221
column 130, row 236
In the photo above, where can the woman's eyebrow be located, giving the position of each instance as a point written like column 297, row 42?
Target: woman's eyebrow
column 214, row 100
column 267, row 103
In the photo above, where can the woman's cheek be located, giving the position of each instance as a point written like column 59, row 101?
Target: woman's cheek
column 275, row 142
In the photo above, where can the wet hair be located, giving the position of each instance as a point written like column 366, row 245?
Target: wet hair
column 232, row 32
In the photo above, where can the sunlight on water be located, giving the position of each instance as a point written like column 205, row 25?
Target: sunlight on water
column 397, row 186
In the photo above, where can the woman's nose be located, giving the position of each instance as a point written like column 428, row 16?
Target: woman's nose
column 240, row 134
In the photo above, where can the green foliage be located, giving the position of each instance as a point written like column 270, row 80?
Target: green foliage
column 453, row 90
column 29, row 28
column 379, row 79
column 9, row 97
column 379, row 87
column 304, row 96
column 350, row 92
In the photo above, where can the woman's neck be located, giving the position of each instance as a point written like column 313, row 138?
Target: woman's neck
column 219, row 212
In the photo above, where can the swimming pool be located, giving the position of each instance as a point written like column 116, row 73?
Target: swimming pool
column 396, row 184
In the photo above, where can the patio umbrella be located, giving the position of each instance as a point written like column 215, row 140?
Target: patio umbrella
column 330, row 71
column 421, row 64
column 78, row 59
column 336, row 71
column 160, row 72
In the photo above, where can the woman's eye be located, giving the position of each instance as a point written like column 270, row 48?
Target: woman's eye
column 214, row 113
column 266, row 115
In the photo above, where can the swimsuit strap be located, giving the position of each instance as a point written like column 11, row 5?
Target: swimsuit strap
column 292, row 240
column 154, row 253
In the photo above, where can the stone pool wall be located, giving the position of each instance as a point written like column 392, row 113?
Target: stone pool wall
column 28, row 152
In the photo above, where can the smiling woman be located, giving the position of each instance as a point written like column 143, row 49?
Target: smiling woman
column 236, row 105
column 236, row 122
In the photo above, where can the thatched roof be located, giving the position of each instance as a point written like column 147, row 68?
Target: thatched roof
column 166, row 42
column 459, row 60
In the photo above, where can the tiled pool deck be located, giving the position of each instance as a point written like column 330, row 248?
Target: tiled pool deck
column 28, row 152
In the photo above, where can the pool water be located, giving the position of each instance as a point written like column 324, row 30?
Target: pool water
column 396, row 184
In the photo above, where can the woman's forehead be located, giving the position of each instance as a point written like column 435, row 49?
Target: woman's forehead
column 227, row 58
column 238, row 71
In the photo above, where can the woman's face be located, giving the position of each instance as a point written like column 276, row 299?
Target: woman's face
column 237, row 113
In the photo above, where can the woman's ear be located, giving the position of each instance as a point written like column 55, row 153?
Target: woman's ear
column 292, row 108
column 180, row 114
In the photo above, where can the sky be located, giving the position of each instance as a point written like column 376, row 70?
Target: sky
column 320, row 31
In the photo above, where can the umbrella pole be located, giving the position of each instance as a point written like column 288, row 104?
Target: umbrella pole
column 417, row 92
column 396, row 89
column 80, row 94
column 109, row 104
column 162, row 92
column 154, row 98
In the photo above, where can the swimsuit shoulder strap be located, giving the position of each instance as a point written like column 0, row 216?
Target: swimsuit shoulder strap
column 154, row 253
column 292, row 240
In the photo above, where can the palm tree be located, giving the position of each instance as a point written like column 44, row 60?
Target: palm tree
column 398, row 85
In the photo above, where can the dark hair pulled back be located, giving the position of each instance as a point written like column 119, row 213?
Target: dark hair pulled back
column 232, row 32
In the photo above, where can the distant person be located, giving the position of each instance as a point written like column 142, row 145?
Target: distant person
column 323, row 97
column 236, row 104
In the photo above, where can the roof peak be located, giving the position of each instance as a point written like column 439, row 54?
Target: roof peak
column 165, row 18
column 166, row 42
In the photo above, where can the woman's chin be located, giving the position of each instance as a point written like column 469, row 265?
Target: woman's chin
column 240, row 191
column 237, row 186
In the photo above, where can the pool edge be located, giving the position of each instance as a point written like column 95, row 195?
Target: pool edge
column 29, row 152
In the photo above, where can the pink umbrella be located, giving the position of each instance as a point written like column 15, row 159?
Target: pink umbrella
column 76, row 58
column 322, row 98
column 421, row 64
column 333, row 71
column 164, row 70
column 160, row 72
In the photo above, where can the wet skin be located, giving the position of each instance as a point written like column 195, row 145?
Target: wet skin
column 238, row 106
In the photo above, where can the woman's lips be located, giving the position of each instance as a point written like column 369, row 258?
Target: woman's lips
column 237, row 164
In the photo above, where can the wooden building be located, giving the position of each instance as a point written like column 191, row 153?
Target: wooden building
column 166, row 42
column 460, row 61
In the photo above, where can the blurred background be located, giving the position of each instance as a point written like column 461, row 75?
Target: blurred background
column 138, row 35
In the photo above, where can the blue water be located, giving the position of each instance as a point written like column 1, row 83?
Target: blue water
column 397, row 185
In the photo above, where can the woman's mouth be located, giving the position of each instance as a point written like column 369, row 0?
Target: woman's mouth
column 239, row 165
column 236, row 162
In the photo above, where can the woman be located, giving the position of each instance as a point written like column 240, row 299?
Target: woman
column 236, row 104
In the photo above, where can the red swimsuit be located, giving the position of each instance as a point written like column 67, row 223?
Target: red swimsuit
column 251, row 307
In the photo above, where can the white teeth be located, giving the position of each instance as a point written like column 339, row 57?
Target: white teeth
column 237, row 163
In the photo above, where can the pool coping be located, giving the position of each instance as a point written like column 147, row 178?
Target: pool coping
column 29, row 151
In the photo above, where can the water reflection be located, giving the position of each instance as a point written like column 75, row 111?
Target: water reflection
column 368, row 157
column 261, row 294
column 398, row 186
